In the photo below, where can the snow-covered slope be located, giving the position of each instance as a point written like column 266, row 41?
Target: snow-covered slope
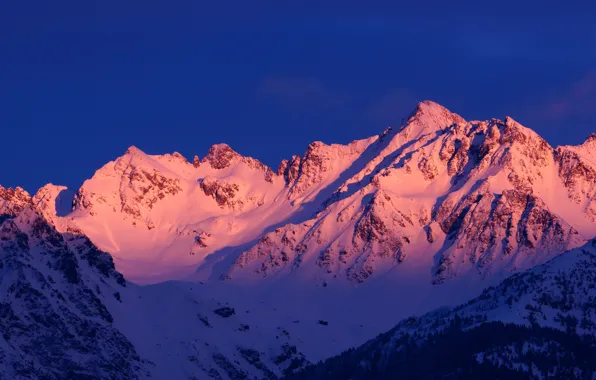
column 536, row 324
column 160, row 216
column 458, row 197
column 65, row 312
column 63, row 296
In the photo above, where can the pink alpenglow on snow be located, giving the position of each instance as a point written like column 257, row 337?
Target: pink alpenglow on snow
column 416, row 217
column 477, row 198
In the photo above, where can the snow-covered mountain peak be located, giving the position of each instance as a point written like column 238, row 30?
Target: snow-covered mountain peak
column 510, row 122
column 133, row 150
column 175, row 158
column 135, row 157
column 514, row 132
column 16, row 193
column 196, row 161
column 13, row 200
column 591, row 138
column 220, row 156
column 589, row 145
column 430, row 107
column 54, row 201
column 429, row 117
column 49, row 188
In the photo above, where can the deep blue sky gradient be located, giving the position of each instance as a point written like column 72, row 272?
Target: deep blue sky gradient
column 81, row 81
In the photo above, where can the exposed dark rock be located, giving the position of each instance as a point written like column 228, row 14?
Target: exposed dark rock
column 220, row 156
column 225, row 311
column 232, row 371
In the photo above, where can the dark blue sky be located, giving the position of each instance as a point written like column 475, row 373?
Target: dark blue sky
column 81, row 81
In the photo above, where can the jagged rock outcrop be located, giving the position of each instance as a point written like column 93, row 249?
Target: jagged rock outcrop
column 54, row 202
column 577, row 169
column 54, row 320
column 202, row 239
column 222, row 191
column 13, row 201
column 319, row 160
column 220, row 156
column 146, row 188
column 290, row 169
column 513, row 227
column 312, row 167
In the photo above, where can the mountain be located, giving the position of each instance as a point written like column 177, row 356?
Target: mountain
column 250, row 272
column 468, row 198
column 536, row 324
column 478, row 198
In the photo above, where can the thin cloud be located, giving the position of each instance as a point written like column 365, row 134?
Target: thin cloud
column 298, row 92
column 302, row 93
column 393, row 107
column 579, row 100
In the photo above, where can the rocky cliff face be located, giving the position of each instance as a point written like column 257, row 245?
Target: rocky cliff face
column 302, row 173
column 54, row 320
column 13, row 201
column 577, row 169
column 141, row 187
column 513, row 229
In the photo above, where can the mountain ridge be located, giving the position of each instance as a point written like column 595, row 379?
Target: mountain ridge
column 344, row 241
column 251, row 199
